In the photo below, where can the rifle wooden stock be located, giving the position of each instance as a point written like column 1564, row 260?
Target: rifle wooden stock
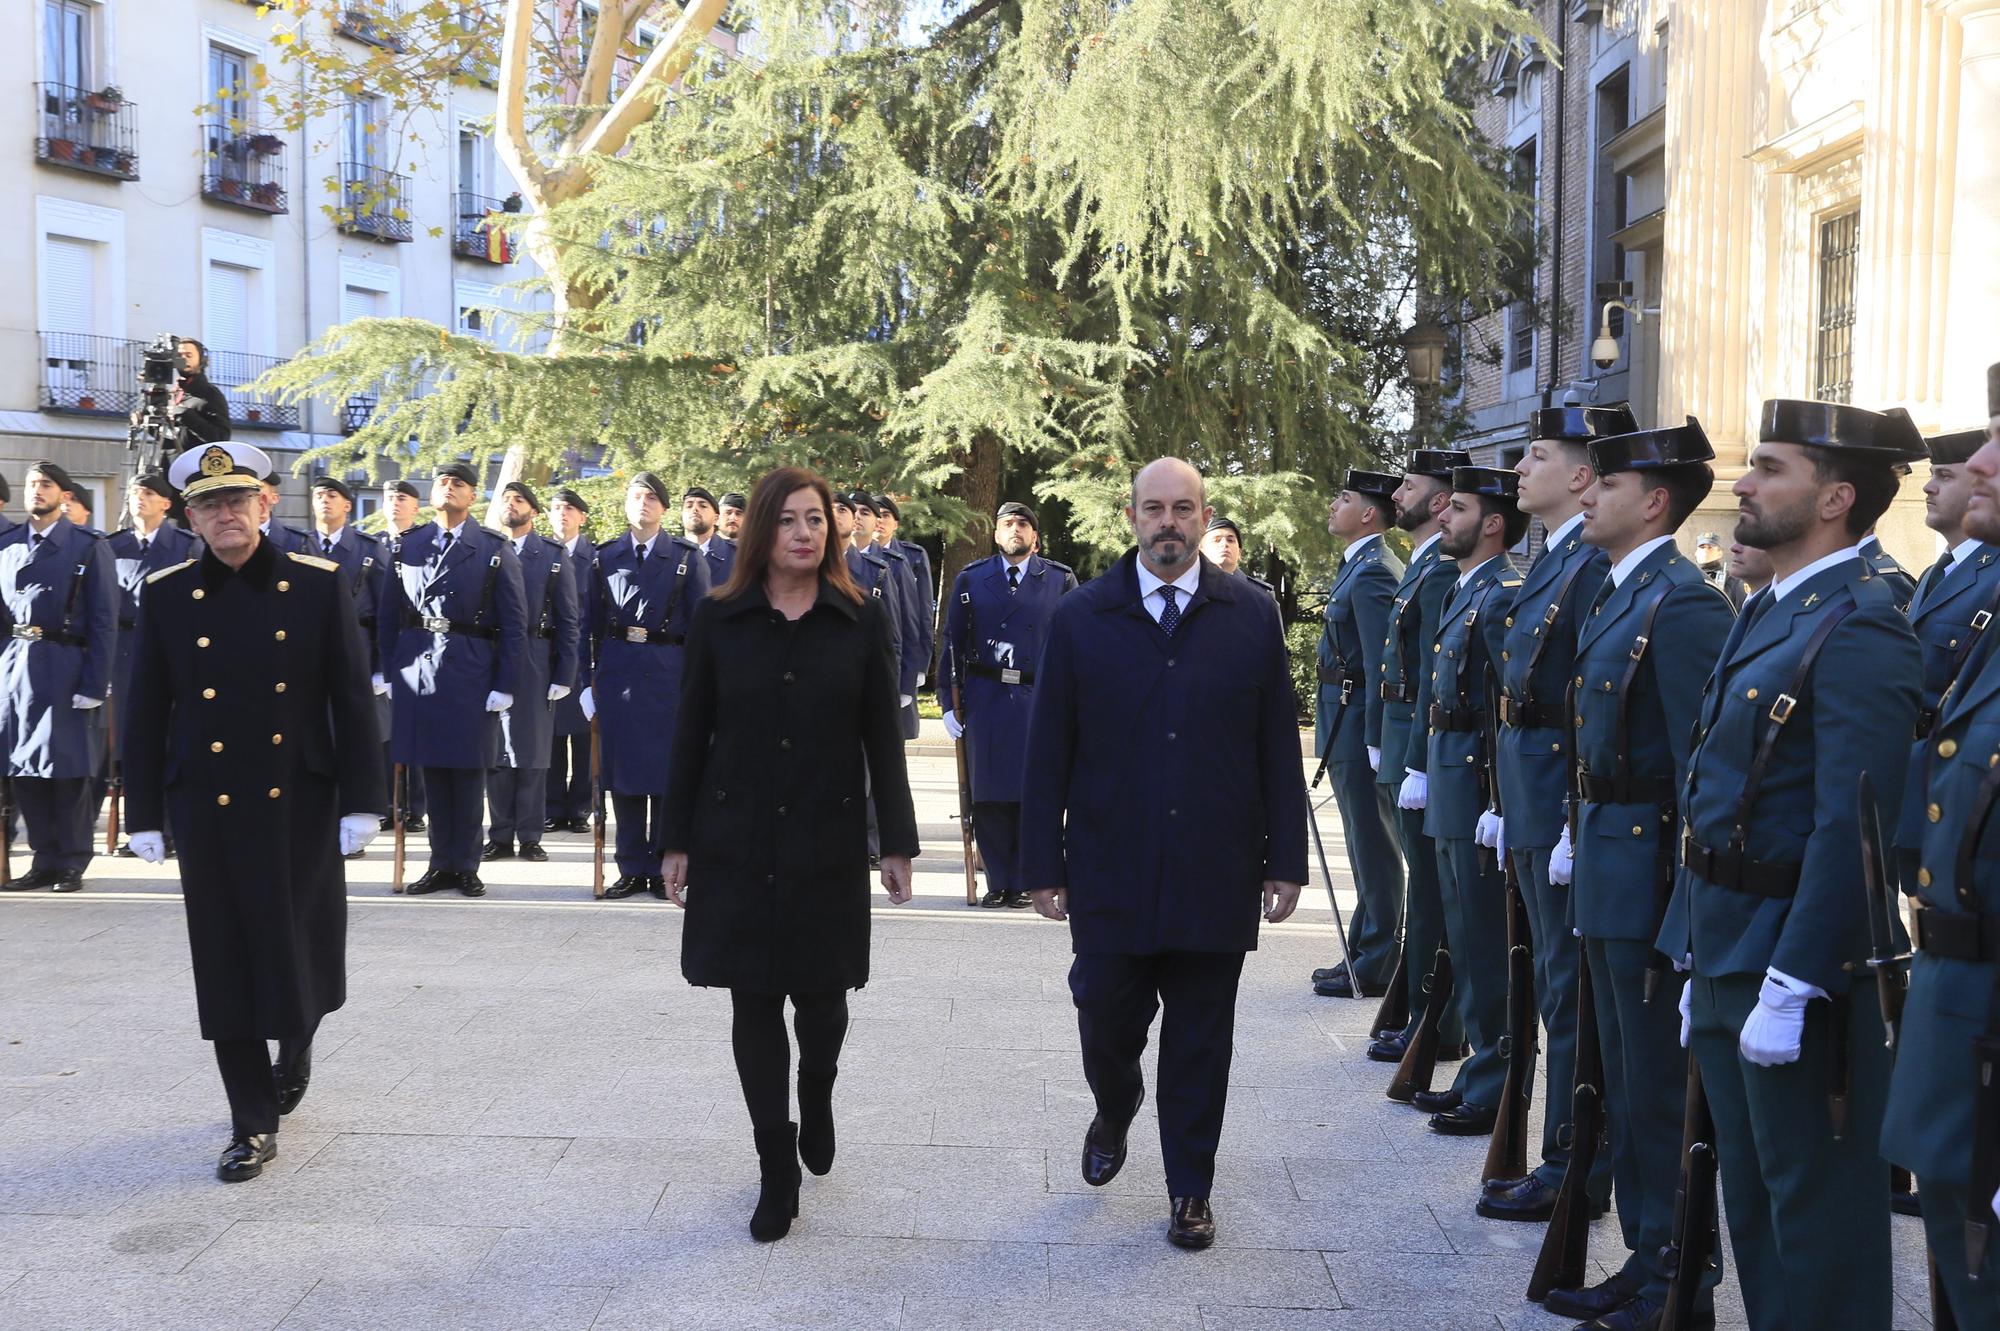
column 114, row 772
column 965, row 819
column 596, row 814
column 1419, row 1063
column 1564, row 1259
column 1394, row 1013
column 1507, row 1149
column 6, row 830
column 1691, row 1255
column 399, row 794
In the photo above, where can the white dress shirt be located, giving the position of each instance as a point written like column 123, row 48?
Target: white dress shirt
column 1184, row 587
column 1360, row 545
column 1623, row 568
column 1791, row 582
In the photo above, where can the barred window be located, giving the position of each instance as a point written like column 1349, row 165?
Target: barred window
column 1839, row 271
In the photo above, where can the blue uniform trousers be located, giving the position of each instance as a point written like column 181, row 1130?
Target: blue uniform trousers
column 1799, row 1203
column 458, row 808
column 1556, row 960
column 1423, row 920
column 1976, row 1304
column 996, row 826
column 1116, row 998
column 56, row 810
column 1475, row 913
column 639, row 825
column 515, row 801
column 569, row 777
column 1366, row 810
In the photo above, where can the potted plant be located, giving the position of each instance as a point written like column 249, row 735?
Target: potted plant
column 253, row 413
column 232, row 188
column 265, row 195
column 62, row 150
column 108, row 98
column 124, row 163
column 86, row 402
column 512, row 203
column 264, row 144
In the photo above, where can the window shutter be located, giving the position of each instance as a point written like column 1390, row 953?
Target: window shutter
column 226, row 308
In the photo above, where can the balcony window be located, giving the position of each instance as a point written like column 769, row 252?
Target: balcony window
column 87, row 131
column 1833, row 334
column 245, row 170
column 375, row 203
column 84, row 375
column 476, row 236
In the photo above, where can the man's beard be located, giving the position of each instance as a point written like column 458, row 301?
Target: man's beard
column 1014, row 549
column 1983, row 524
column 697, row 532
column 1409, row 519
column 520, row 524
column 42, row 510
column 1455, row 546
column 1154, row 541
column 1768, row 531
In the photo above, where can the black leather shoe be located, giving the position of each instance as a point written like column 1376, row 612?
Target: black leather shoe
column 657, row 885
column 1593, row 1301
column 627, row 884
column 1453, row 1055
column 1340, row 989
column 532, row 852
column 1321, row 974
column 1018, row 901
column 32, row 880
column 556, row 825
column 1533, row 1200
column 388, row 825
column 1642, row 1314
column 1193, row 1225
column 292, row 1079
column 1388, row 1049
column 1104, row 1147
column 69, row 880
column 1465, row 1120
column 498, row 850
column 1436, row 1102
column 433, row 880
column 125, row 851
column 470, row 886
column 415, row 824
column 993, row 900
column 246, row 1157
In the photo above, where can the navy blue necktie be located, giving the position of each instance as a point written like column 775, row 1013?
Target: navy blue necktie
column 1170, row 618
column 1013, row 578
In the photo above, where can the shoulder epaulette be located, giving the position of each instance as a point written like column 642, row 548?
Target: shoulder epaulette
column 692, row 545
column 315, row 561
column 1059, row 566
column 157, row 574
column 1510, row 579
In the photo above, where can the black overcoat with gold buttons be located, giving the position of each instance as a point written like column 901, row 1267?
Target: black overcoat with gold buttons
column 250, row 731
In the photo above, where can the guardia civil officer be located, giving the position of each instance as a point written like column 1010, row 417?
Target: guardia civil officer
column 1477, row 528
column 698, row 524
column 454, row 663
column 1347, row 725
column 648, row 585
column 1222, row 546
column 1942, row 1122
column 568, row 798
column 1164, row 729
column 250, row 727
column 1714, row 563
column 995, row 625
column 902, row 593
column 1953, row 605
column 401, row 506
column 1887, row 568
column 1404, row 749
column 138, row 551
column 1749, row 566
column 1533, row 739
column 59, row 604
column 1646, row 646
column 516, row 786
column 729, row 518
column 1818, row 681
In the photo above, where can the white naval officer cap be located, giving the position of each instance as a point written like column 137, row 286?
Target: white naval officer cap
column 226, row 465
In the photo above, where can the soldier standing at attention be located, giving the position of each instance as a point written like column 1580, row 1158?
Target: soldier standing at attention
column 250, row 727
column 729, row 518
column 995, row 625
column 454, row 664
column 516, row 794
column 869, row 568
column 568, row 798
column 1405, row 675
column 888, row 522
column 1818, row 681
column 1347, row 725
column 368, row 564
column 1222, row 545
column 1534, row 756
column 285, row 538
column 400, row 506
column 1480, row 524
column 901, row 595
column 698, row 525
column 648, row 585
column 1887, row 568
column 1645, row 649
column 59, row 603
column 150, row 544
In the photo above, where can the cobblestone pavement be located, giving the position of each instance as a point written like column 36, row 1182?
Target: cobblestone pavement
column 524, row 1118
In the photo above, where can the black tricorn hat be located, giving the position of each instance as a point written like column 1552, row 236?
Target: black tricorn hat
column 1888, row 436
column 1378, row 483
column 1437, row 463
column 1579, row 425
column 1993, row 389
column 1493, row 482
column 1955, row 449
column 1645, row 450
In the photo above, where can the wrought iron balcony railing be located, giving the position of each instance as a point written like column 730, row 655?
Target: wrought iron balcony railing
column 473, row 237
column 375, row 202
column 86, row 375
column 244, row 168
column 87, row 131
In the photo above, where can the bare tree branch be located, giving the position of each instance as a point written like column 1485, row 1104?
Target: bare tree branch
column 669, row 60
column 510, row 122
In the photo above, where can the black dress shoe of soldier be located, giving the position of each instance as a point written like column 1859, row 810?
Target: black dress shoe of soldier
column 470, row 886
column 1018, row 901
column 657, row 885
column 1340, row 988
column 1533, row 1200
column 292, row 1079
column 1436, row 1102
column 993, row 899
column 627, row 884
column 1594, row 1300
column 532, row 852
column 246, row 1156
column 31, row 880
column 498, row 850
column 125, row 851
column 556, row 825
column 433, row 880
column 1465, row 1120
column 1448, row 1054
column 1104, row 1147
column 1388, row 1049
column 1643, row 1314
column 1193, row 1224
column 69, row 880
column 415, row 824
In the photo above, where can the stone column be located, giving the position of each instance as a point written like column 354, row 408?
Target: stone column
column 1970, row 342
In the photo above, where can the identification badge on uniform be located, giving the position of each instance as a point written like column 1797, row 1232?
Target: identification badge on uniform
column 437, row 624
column 1010, row 677
column 635, row 634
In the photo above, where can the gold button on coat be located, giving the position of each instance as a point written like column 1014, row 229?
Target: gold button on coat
column 1933, row 812
column 281, row 686
column 222, row 799
column 201, row 642
column 1924, row 877
column 199, row 593
column 215, row 746
column 1751, row 694
column 208, row 693
column 1947, row 748
column 281, row 635
column 277, row 739
column 284, row 586
column 274, row 792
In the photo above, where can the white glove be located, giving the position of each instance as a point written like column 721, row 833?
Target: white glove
column 920, row 679
column 1774, row 1028
column 557, row 692
column 1416, row 791
column 1489, row 831
column 1374, row 759
column 1562, row 861
column 379, row 684
column 1996, row 1205
column 357, row 830
column 499, row 702
column 1687, row 1011
column 953, row 726
column 149, row 846
column 587, row 700
column 905, row 699
column 83, row 704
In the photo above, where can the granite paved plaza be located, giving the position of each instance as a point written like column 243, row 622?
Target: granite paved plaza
column 523, row 1118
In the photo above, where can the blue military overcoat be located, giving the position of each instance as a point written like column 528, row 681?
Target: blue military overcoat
column 876, row 577
column 568, row 717
column 920, row 572
column 549, row 590
column 641, row 615
column 451, row 642
column 170, row 545
column 990, row 629
column 1406, row 654
column 721, row 554
column 1942, row 614
column 1464, row 661
column 1168, row 779
column 1534, row 663
column 65, row 588
column 1351, row 640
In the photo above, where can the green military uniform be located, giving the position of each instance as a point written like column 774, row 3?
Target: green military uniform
column 1886, row 568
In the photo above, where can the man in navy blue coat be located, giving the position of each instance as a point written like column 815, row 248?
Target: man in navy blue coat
column 150, row 544
column 889, row 521
column 59, row 603
column 698, row 524
column 369, row 565
column 515, row 795
column 454, row 665
column 995, row 625
column 901, row 594
column 648, row 585
column 567, row 800
column 285, row 539
column 1168, row 805
column 402, row 505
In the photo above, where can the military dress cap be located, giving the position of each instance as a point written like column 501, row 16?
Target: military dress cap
column 1220, row 523
column 653, row 483
column 335, row 484
column 522, row 489
column 1580, row 424
column 735, row 501
column 271, row 478
column 698, row 492
column 1493, row 482
column 156, row 481
column 1709, row 538
column 82, row 498
column 842, row 499
column 458, row 471
column 884, row 504
column 1955, row 449
column 1015, row 509
column 1379, row 483
column 211, row 468
column 565, row 495
column 403, row 487
column 1880, row 436
column 54, row 472
column 1437, row 463
column 860, row 499
column 1646, row 450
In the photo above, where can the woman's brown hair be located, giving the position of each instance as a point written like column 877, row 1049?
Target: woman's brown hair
column 760, row 529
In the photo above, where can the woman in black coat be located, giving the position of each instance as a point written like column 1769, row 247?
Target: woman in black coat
column 788, row 708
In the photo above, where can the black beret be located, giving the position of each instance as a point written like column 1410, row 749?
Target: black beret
column 1437, row 463
column 1879, row 436
column 735, row 501
column 52, row 471
column 861, row 499
column 1378, row 483
column 157, row 482
column 335, row 484
column 403, row 487
column 1220, row 523
column 1493, row 482
column 1955, row 449
column 458, row 471
column 6, row 490
column 1646, row 450
column 841, row 499
column 1993, row 389
column 697, row 492
column 1013, row 509
column 884, row 504
column 522, row 489
column 1578, row 425
column 82, row 498
column 651, row 482
column 565, row 495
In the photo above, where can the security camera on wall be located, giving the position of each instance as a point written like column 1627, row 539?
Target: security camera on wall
column 1604, row 349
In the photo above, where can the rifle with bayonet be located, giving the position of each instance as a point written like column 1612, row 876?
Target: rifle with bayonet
column 1312, row 817
column 1691, row 1255
column 399, row 799
column 1507, row 1150
column 1564, row 1259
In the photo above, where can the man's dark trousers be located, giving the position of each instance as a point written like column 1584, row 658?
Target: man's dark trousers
column 1116, row 997
column 996, row 827
column 458, row 811
column 569, row 776
column 57, row 813
column 638, row 827
column 515, row 804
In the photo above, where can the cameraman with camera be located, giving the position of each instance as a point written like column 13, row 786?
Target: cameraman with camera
column 199, row 407
column 178, row 406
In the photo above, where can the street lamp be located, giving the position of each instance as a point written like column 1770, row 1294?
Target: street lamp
column 1425, row 345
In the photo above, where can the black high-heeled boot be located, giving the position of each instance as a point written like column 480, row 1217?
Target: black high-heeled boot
column 778, row 1170
column 816, row 1122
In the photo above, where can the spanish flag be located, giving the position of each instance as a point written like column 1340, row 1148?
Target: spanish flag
column 499, row 245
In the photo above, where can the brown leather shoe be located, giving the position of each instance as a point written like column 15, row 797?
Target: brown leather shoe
column 1193, row 1224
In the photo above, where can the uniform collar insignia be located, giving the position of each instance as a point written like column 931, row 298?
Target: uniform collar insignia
column 1807, row 604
